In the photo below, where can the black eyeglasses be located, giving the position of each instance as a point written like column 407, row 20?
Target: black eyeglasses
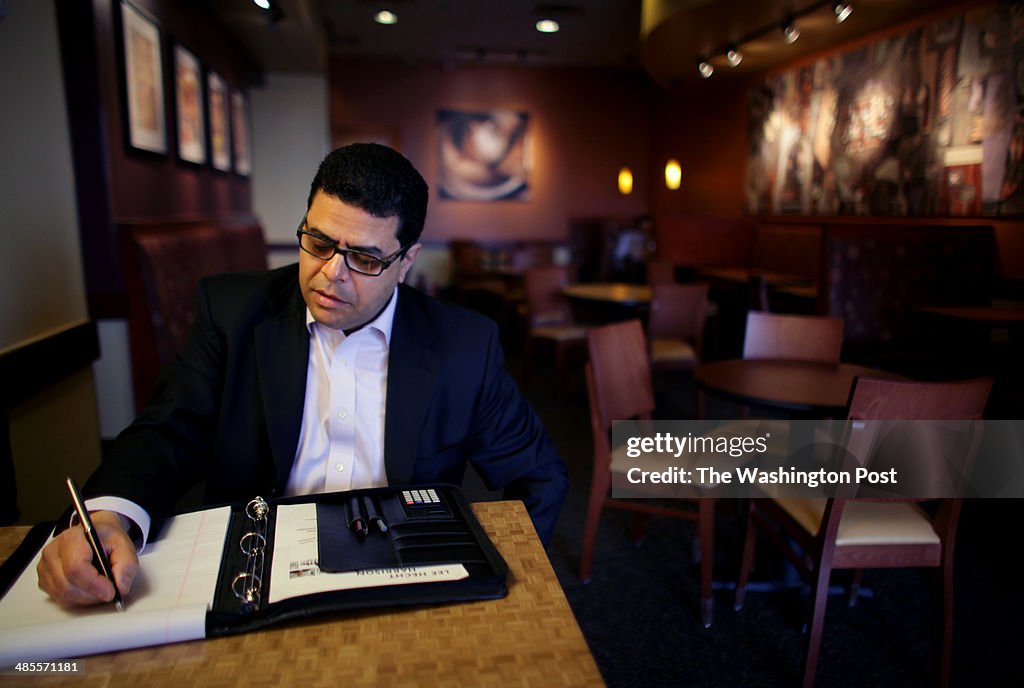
column 323, row 248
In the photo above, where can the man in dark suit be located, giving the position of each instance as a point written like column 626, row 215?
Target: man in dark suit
column 322, row 376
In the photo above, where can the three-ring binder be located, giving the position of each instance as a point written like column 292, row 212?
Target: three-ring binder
column 405, row 534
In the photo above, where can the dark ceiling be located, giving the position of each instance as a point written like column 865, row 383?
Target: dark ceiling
column 594, row 32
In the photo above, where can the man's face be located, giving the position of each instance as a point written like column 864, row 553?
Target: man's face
column 336, row 296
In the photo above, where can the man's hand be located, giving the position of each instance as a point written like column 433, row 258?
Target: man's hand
column 66, row 572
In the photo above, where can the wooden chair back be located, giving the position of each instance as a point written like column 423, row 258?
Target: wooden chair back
column 621, row 374
column 793, row 337
column 678, row 311
column 545, row 302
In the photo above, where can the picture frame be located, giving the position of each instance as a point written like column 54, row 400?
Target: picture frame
column 240, row 136
column 143, row 80
column 220, row 126
column 189, row 106
column 483, row 155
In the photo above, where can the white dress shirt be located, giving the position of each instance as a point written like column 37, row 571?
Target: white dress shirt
column 341, row 443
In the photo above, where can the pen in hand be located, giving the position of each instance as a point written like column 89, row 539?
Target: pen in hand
column 100, row 560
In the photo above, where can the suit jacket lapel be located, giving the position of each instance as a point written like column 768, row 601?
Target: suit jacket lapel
column 282, row 359
column 412, row 370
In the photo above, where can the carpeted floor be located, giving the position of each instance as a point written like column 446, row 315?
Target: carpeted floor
column 639, row 613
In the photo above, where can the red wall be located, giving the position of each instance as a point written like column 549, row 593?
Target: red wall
column 115, row 183
column 704, row 129
column 585, row 124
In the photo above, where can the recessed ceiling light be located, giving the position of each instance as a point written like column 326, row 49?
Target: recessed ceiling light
column 262, row 4
column 386, row 17
column 705, row 68
column 734, row 56
column 548, row 26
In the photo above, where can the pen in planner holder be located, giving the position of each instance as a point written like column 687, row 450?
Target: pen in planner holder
column 100, row 560
column 356, row 523
column 372, row 514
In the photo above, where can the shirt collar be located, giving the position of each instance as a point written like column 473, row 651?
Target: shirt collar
column 382, row 323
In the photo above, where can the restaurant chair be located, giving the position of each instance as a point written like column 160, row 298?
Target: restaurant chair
column 675, row 325
column 548, row 316
column 820, row 535
column 619, row 388
column 793, row 337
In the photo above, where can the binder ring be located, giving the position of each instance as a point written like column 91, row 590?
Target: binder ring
column 250, row 587
column 252, row 543
column 257, row 509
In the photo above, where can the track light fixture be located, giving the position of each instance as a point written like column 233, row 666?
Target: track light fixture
column 733, row 55
column 790, row 32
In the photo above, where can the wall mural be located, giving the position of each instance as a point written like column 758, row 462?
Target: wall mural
column 930, row 122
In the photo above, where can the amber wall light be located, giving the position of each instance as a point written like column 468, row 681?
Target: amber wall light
column 625, row 181
column 673, row 174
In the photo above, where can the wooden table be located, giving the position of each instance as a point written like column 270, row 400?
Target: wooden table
column 615, row 293
column 528, row 638
column 743, row 275
column 800, row 387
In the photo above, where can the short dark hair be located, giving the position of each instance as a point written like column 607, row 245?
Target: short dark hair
column 378, row 180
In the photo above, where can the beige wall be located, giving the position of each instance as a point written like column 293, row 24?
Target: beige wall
column 585, row 124
column 41, row 287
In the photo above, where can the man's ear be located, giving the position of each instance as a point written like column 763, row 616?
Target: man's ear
column 407, row 260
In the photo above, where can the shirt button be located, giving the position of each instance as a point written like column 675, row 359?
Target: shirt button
column 342, row 414
column 339, row 468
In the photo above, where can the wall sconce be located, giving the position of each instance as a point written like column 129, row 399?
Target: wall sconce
column 625, row 181
column 673, row 175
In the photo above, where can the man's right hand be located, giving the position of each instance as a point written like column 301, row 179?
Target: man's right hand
column 66, row 572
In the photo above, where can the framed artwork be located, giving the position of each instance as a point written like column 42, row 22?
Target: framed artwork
column 144, row 80
column 188, row 98
column 220, row 131
column 240, row 133
column 483, row 156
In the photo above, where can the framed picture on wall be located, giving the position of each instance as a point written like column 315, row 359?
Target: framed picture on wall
column 188, row 99
column 483, row 155
column 144, row 80
column 220, row 130
column 240, row 133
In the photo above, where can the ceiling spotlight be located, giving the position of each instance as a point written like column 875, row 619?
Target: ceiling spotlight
column 733, row 55
column 705, row 68
column 842, row 10
column 262, row 4
column 386, row 17
column 548, row 26
column 790, row 31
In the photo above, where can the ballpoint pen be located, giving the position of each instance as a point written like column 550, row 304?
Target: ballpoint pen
column 100, row 560
column 355, row 520
column 372, row 515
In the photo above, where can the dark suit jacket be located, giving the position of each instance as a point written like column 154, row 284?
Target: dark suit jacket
column 229, row 407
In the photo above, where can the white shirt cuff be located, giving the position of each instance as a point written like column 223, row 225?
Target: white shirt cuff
column 127, row 508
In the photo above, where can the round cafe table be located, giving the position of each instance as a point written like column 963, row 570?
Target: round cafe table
column 800, row 387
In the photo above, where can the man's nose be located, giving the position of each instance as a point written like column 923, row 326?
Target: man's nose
column 335, row 269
